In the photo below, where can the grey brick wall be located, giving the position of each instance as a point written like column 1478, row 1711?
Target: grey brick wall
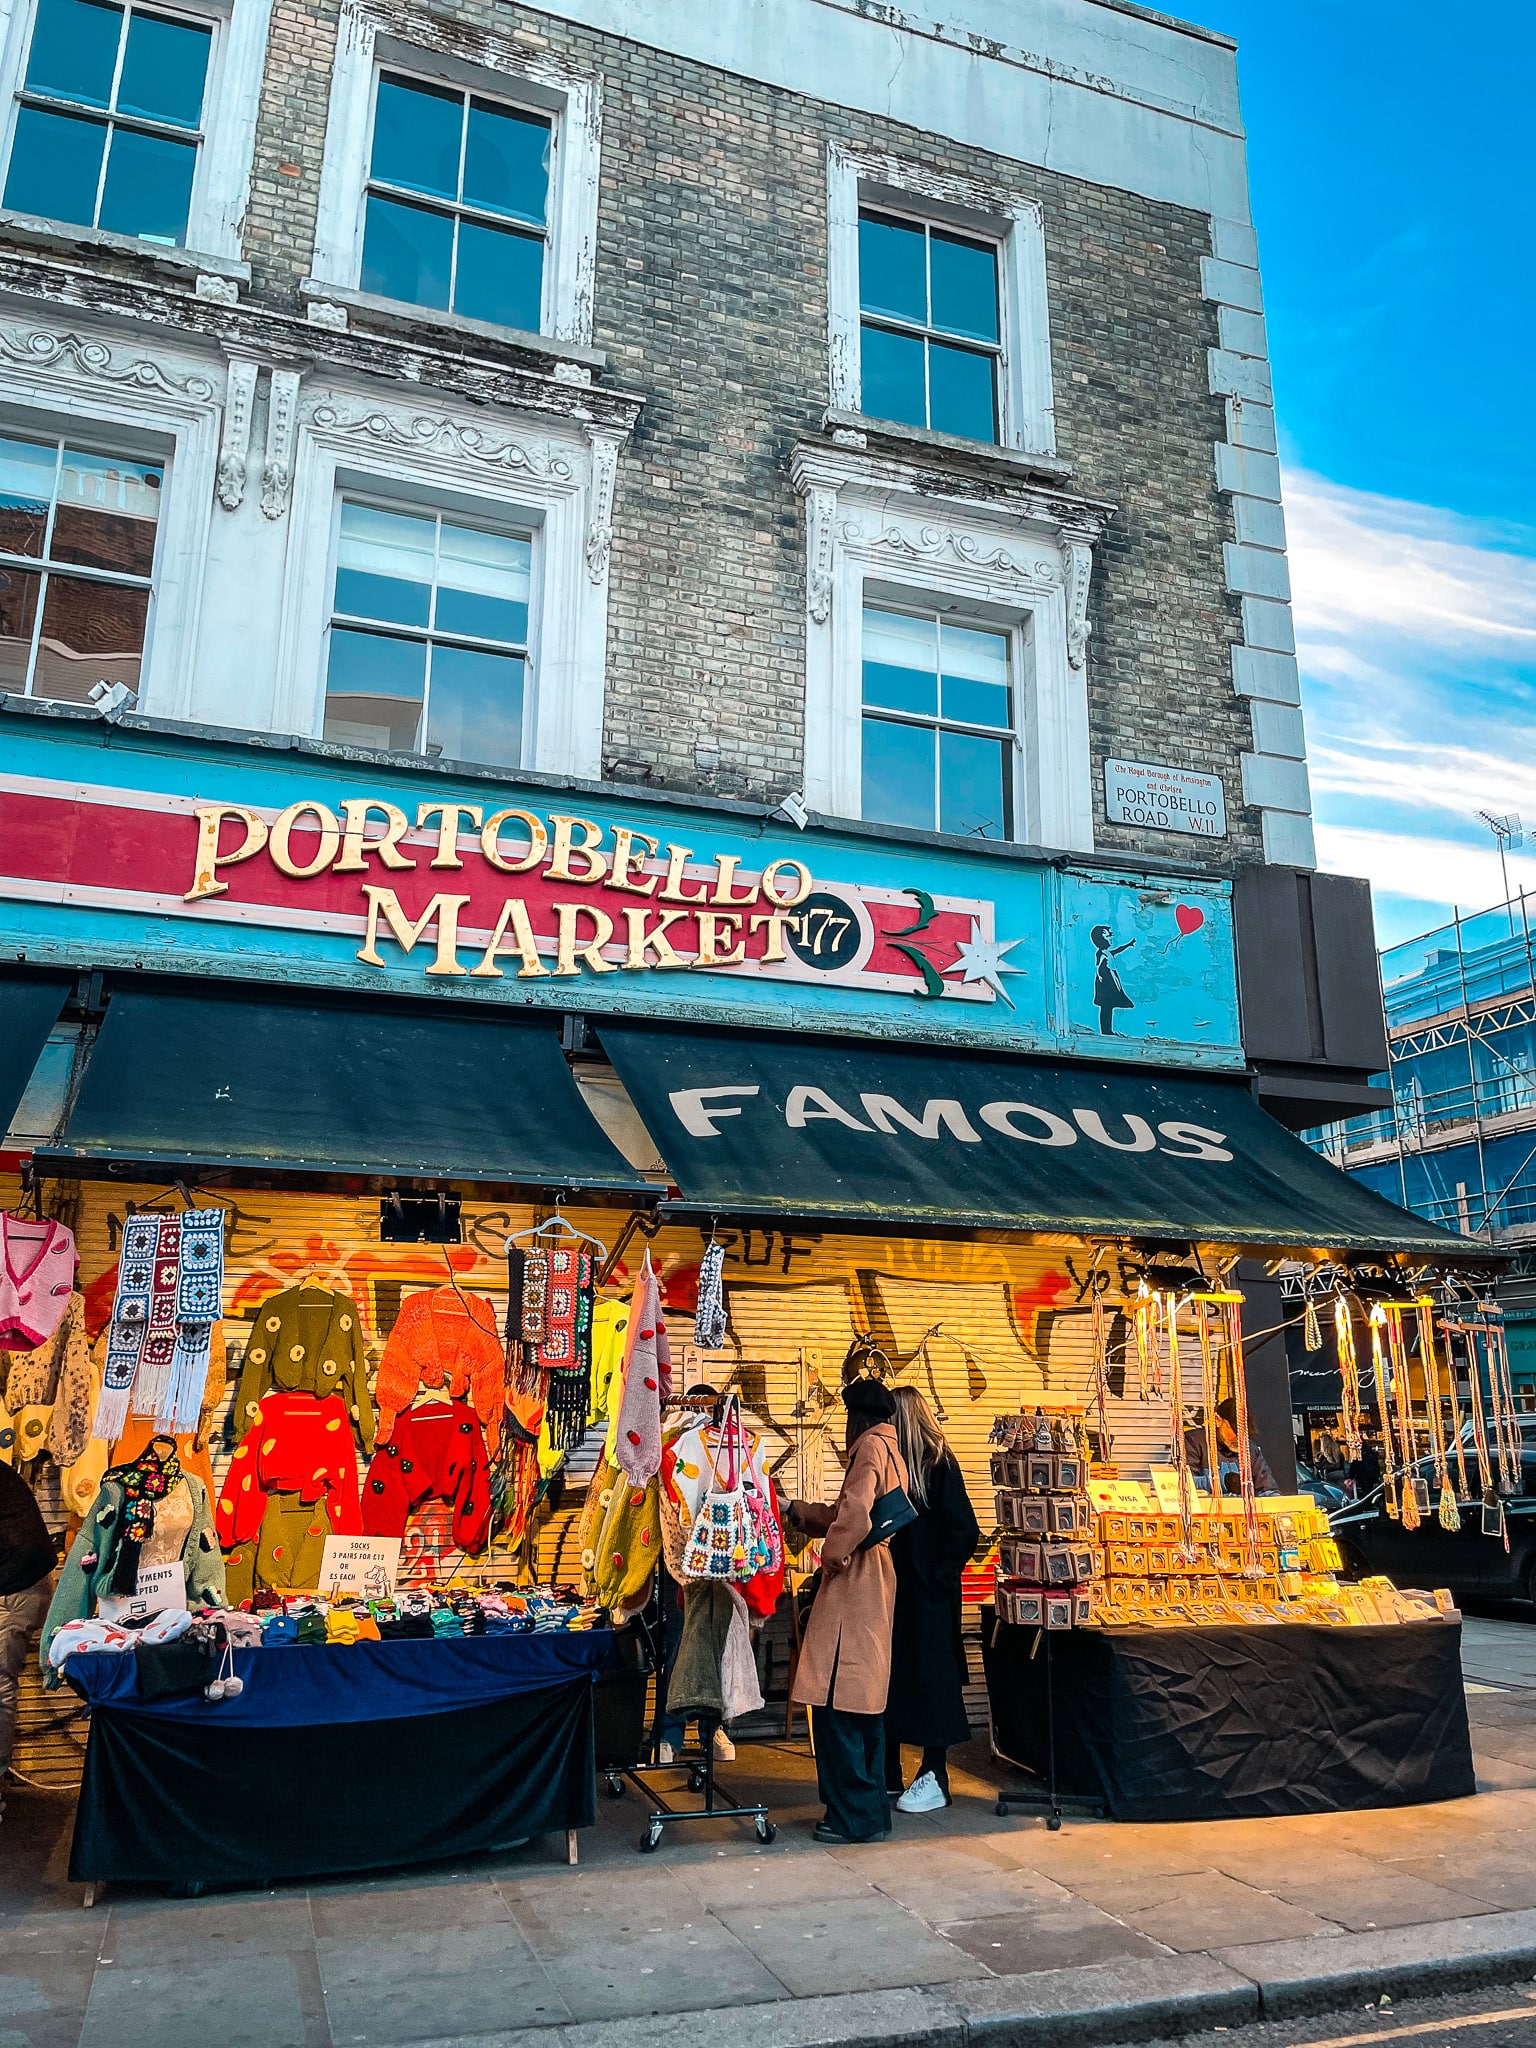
column 711, row 299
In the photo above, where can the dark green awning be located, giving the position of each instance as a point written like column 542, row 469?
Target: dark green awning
column 870, row 1133
column 29, row 1009
column 182, row 1078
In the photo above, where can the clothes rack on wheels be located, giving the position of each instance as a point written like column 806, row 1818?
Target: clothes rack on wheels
column 699, row 1764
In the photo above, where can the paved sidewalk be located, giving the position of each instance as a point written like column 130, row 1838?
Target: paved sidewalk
column 964, row 1927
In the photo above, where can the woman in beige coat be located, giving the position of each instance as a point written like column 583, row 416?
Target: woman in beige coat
column 845, row 1659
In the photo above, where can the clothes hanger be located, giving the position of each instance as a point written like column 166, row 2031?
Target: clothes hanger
column 553, row 1226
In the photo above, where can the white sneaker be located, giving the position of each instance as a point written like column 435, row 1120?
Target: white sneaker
column 923, row 1795
column 725, row 1749
column 665, row 1753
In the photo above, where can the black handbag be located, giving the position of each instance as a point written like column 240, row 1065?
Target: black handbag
column 892, row 1511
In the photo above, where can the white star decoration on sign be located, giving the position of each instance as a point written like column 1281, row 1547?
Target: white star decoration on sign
column 983, row 961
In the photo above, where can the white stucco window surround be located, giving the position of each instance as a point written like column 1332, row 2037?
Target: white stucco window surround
column 152, row 405
column 365, row 45
column 1024, row 563
column 1025, row 402
column 236, row 61
column 554, row 481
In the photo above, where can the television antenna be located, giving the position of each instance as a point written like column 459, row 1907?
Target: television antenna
column 1508, row 832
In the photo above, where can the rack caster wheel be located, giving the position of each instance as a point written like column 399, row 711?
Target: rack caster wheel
column 765, row 1828
column 696, row 1780
column 1001, row 1809
column 1053, row 1824
column 615, row 1785
column 651, row 1839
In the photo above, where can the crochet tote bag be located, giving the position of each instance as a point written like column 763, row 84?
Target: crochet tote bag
column 723, row 1543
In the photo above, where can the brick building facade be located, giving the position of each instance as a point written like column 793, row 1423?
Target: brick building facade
column 690, row 418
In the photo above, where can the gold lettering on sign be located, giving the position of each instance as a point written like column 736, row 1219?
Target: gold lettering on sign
column 672, row 890
column 644, row 938
column 325, row 826
column 538, row 841
column 568, row 848
column 712, row 925
column 773, row 923
column 515, row 922
column 354, row 846
column 726, row 865
column 406, row 934
column 627, row 871
column 803, row 884
column 210, row 820
column 568, row 950
column 448, row 816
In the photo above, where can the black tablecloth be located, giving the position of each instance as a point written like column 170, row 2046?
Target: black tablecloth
column 1216, row 1723
column 187, row 1792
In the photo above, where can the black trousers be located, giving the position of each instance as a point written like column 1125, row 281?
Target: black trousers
column 850, row 1771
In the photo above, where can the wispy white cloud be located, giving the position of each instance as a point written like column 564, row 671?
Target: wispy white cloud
column 1404, row 571
column 1416, row 634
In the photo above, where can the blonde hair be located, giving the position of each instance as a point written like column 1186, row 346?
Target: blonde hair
column 919, row 1439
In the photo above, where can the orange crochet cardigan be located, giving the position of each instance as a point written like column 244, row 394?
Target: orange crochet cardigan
column 447, row 1340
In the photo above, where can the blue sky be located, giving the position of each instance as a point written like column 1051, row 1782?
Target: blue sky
column 1392, row 156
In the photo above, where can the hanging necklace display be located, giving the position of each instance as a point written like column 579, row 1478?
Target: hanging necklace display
column 1141, row 1325
column 1245, row 1465
column 1349, row 1378
column 1209, row 1395
column 1383, row 1409
column 1228, row 1306
column 1180, row 1452
column 1413, row 1498
column 1311, row 1328
column 1503, row 1395
column 1448, row 1515
column 1463, row 1489
column 1493, row 1507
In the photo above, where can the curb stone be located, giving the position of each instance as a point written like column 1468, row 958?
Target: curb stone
column 1319, row 1974
column 1135, row 1998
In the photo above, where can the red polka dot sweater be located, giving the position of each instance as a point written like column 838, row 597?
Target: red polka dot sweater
column 436, row 1451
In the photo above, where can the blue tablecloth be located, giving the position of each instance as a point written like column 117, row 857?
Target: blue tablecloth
column 307, row 1686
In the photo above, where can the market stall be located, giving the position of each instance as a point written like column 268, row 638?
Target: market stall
column 449, row 1748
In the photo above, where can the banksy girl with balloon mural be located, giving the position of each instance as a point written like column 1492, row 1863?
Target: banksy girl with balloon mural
column 1158, row 965
column 1108, row 989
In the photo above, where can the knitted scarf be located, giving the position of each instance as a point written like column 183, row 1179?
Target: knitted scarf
column 550, row 1298
column 709, row 1323
column 148, row 1479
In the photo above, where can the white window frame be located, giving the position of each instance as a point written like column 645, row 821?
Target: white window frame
column 542, row 481
column 65, row 386
column 887, row 593
column 858, row 182
column 473, row 511
column 364, row 49
column 869, row 540
column 231, row 96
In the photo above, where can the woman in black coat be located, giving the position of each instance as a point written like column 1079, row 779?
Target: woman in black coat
column 926, row 1704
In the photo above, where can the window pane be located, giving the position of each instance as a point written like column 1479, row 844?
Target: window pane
column 164, row 67
column 506, row 162
column 898, row 774
column 374, row 689
column 476, row 708
column 964, row 287
column 901, row 663
column 55, row 166
column 416, row 137
column 975, row 668
column 107, row 513
column 973, row 784
column 960, row 383
column 384, row 566
column 149, row 187
column 407, row 253
column 891, row 377
column 891, row 278
column 92, row 633
column 483, row 584
column 74, row 51
column 27, row 471
column 500, row 278
column 18, row 614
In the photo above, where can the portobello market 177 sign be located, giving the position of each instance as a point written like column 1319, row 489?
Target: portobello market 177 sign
column 128, row 849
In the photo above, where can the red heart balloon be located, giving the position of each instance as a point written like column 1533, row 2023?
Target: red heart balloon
column 1188, row 917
